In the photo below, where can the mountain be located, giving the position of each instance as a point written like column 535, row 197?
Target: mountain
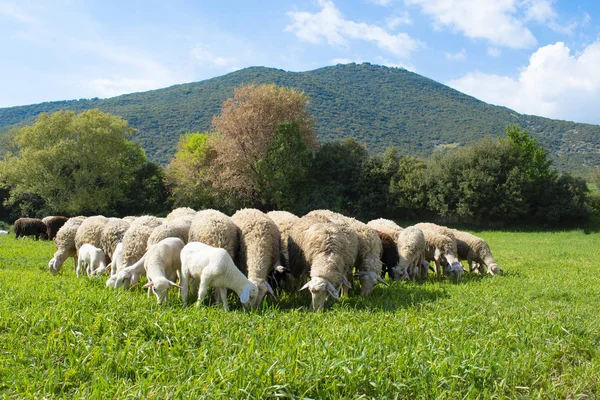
column 377, row 105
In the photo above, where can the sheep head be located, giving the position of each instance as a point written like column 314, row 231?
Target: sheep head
column 494, row 269
column 368, row 280
column 454, row 271
column 52, row 266
column 249, row 295
column 160, row 287
column 320, row 289
column 263, row 288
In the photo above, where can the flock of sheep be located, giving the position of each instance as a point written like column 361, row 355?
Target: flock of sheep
column 252, row 252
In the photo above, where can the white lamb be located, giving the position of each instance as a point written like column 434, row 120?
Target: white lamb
column 204, row 266
column 163, row 264
column 91, row 258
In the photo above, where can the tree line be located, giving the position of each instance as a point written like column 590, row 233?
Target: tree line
column 262, row 152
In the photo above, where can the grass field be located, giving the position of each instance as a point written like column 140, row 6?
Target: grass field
column 532, row 333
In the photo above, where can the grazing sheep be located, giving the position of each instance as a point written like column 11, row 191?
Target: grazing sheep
column 441, row 249
column 184, row 212
column 127, row 276
column 215, row 229
column 452, row 267
column 411, row 246
column 285, row 221
column 163, row 266
column 112, row 235
column 116, row 262
column 91, row 258
column 389, row 257
column 324, row 249
column 476, row 251
column 90, row 231
column 30, row 227
column 281, row 277
column 3, row 232
column 65, row 244
column 53, row 225
column 386, row 226
column 368, row 261
column 135, row 239
column 175, row 227
column 204, row 266
column 46, row 219
column 259, row 247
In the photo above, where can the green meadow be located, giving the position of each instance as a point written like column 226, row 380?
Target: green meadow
column 531, row 333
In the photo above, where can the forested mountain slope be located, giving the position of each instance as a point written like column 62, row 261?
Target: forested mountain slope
column 378, row 106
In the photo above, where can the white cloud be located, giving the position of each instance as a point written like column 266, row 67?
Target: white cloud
column 14, row 12
column 397, row 20
column 336, row 61
column 384, row 61
column 203, row 55
column 117, row 85
column 554, row 84
column 458, row 56
column 329, row 25
column 381, row 2
column 539, row 10
column 494, row 52
column 492, row 20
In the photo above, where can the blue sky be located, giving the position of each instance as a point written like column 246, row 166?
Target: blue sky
column 538, row 57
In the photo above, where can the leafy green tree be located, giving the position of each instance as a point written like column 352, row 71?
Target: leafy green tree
column 149, row 194
column 76, row 163
column 188, row 174
column 283, row 172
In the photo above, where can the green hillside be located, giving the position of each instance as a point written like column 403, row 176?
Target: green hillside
column 377, row 105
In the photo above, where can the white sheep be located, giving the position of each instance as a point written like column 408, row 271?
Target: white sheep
column 128, row 276
column 215, row 229
column 368, row 261
column 175, row 227
column 135, row 239
column 386, row 226
column 90, row 231
column 65, row 244
column 411, row 246
column 163, row 265
column 204, row 266
column 180, row 212
column 259, row 248
column 441, row 249
column 325, row 250
column 476, row 251
column 91, row 258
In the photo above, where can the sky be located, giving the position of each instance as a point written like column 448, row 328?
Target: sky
column 538, row 57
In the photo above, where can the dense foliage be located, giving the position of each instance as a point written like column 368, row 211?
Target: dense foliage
column 378, row 106
column 71, row 164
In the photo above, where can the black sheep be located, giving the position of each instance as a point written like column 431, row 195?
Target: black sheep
column 53, row 224
column 30, row 226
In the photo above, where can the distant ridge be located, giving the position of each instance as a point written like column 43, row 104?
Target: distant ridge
column 377, row 105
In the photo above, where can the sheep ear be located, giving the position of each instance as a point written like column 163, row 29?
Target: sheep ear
column 306, row 286
column 281, row 269
column 109, row 267
column 270, row 290
column 174, row 284
column 245, row 296
column 147, row 285
column 332, row 291
column 380, row 280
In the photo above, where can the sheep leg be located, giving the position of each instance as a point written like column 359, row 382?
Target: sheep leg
column 184, row 282
column 202, row 292
column 438, row 268
column 223, row 293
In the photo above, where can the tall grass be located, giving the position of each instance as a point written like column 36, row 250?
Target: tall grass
column 532, row 333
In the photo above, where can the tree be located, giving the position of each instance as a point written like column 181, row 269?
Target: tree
column 283, row 172
column 188, row 174
column 246, row 131
column 76, row 163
